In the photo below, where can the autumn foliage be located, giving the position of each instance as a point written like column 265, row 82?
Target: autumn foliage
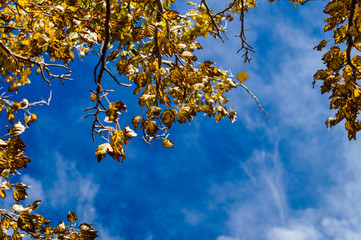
column 154, row 49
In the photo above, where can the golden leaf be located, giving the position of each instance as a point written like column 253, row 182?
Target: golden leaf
column 17, row 129
column 26, row 223
column 184, row 116
column 242, row 76
column 129, row 132
column 93, row 97
column 61, row 227
column 170, row 14
column 102, row 150
column 41, row 219
column 137, row 34
column 20, row 192
column 357, row 92
column 188, row 55
column 153, row 112
column 168, row 117
column 168, row 143
column 113, row 55
column 321, row 45
column 71, row 216
column 2, row 194
column 135, row 121
column 18, row 208
column 114, row 110
column 150, row 126
column 48, row 230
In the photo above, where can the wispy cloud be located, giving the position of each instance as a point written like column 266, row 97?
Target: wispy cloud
column 310, row 155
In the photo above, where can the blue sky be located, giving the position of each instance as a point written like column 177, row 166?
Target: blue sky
column 288, row 177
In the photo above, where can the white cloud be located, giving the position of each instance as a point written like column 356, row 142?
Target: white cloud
column 70, row 186
column 261, row 199
column 226, row 238
column 192, row 217
column 298, row 232
column 297, row 111
column 104, row 234
column 35, row 191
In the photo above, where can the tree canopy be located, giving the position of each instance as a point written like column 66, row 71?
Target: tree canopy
column 154, row 48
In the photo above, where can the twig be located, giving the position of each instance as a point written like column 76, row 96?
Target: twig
column 218, row 32
column 255, row 98
column 245, row 45
column 115, row 79
column 43, row 66
column 349, row 37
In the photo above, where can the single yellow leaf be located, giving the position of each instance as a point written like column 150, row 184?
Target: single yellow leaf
column 129, row 132
column 17, row 129
column 168, row 117
column 168, row 143
column 242, row 76
column 20, row 192
column 357, row 92
column 93, row 97
column 136, row 120
column 2, row 194
column 71, row 216
column 102, row 150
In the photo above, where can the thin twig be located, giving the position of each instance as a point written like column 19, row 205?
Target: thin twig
column 255, row 98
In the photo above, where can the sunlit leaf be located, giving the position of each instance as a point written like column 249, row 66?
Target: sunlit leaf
column 102, row 150
column 167, row 143
column 2, row 193
column 242, row 76
column 71, row 216
column 20, row 192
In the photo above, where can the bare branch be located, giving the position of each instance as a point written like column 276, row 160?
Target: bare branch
column 255, row 98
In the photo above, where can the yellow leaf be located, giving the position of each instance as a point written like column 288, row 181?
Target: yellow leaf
column 242, row 76
column 71, row 216
column 150, row 126
column 93, row 97
column 357, row 92
column 168, row 117
column 34, row 117
column 129, row 132
column 168, row 143
column 135, row 121
column 41, row 219
column 20, row 192
column 2, row 193
column 170, row 14
column 17, row 129
column 102, row 150
column 184, row 116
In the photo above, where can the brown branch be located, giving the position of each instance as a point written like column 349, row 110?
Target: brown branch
column 349, row 37
column 218, row 32
column 245, row 45
column 98, row 76
column 43, row 66
column 115, row 79
column 157, row 49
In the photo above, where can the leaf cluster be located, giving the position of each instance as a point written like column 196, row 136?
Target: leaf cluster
column 341, row 76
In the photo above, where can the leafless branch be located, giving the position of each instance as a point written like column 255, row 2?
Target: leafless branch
column 242, row 35
column 115, row 79
column 255, row 98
